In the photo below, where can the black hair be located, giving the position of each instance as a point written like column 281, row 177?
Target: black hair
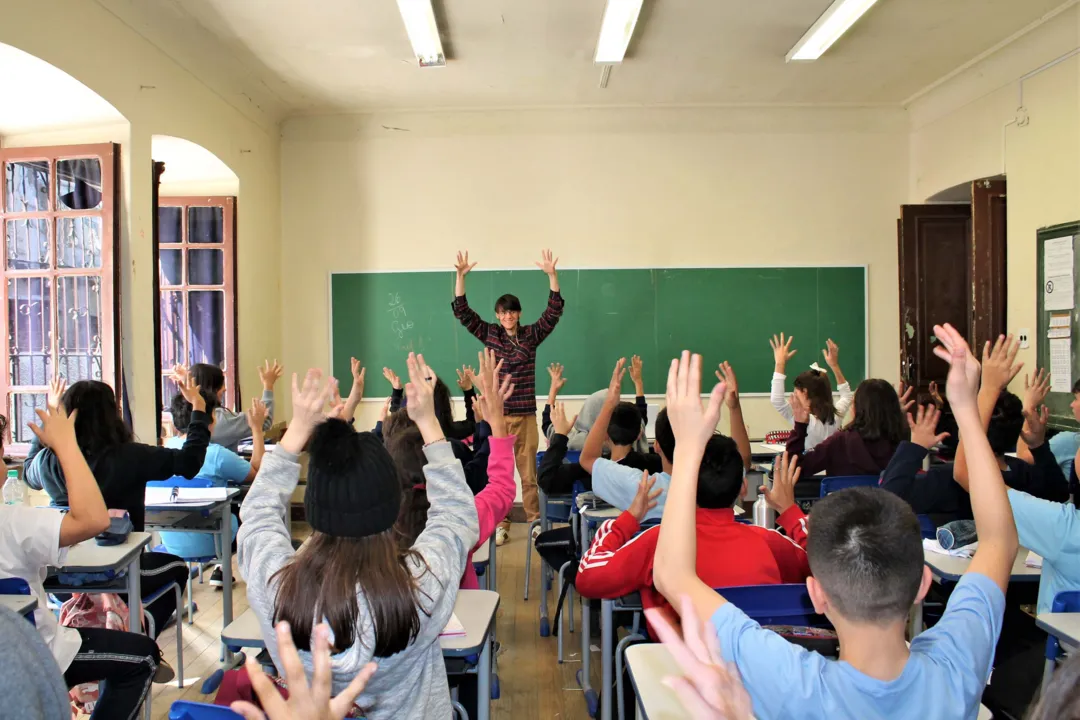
column 3, row 432
column 1061, row 699
column 665, row 437
column 508, row 303
column 98, row 426
column 210, row 378
column 720, row 476
column 865, row 550
column 625, row 425
column 819, row 393
column 1006, row 423
column 444, row 407
column 878, row 415
column 181, row 409
column 1076, row 387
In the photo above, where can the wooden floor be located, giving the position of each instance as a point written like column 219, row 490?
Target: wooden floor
column 533, row 684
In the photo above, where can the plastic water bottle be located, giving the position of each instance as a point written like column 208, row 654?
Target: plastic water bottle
column 763, row 514
column 13, row 490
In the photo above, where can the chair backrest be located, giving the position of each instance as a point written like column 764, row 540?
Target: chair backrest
column 926, row 525
column 14, row 586
column 787, row 604
column 186, row 710
column 1067, row 601
column 832, row 484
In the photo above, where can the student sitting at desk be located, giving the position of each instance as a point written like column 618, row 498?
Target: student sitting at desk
column 230, row 427
column 579, row 430
column 812, row 387
column 866, row 557
column 1065, row 445
column 122, row 467
column 32, row 540
column 444, row 407
column 221, row 468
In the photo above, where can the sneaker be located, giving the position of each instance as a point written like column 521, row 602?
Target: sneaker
column 535, row 533
column 217, row 578
column 502, row 536
column 164, row 673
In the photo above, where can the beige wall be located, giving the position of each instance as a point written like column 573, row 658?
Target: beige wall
column 960, row 132
column 157, row 96
column 603, row 188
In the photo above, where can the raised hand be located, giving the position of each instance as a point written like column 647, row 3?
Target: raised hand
column 1034, row 431
column 831, row 353
column 785, row 474
column 385, row 410
column 692, row 422
column 905, row 392
column 420, row 397
column 496, row 389
column 336, row 407
column 305, row 702
column 962, row 386
column 924, row 427
column 709, row 689
column 727, row 376
column 465, row 378
column 555, row 370
column 645, row 499
column 800, row 406
column 358, row 375
column 614, row 391
column 462, row 265
column 547, row 264
column 309, row 409
column 562, row 424
column 256, row 416
column 56, row 392
column 392, row 378
column 781, row 350
column 998, row 368
column 192, row 394
column 935, row 395
column 636, row 376
column 269, row 374
column 178, row 374
column 57, row 428
column 1036, row 389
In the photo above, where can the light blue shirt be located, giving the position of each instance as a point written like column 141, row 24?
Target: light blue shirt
column 1064, row 445
column 617, row 485
column 943, row 679
column 1052, row 530
column 221, row 467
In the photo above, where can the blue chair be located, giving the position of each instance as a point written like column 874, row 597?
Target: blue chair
column 787, row 604
column 1064, row 602
column 832, row 484
column 17, row 586
column 185, row 710
column 927, row 526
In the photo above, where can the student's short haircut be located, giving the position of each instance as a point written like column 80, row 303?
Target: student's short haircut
column 181, row 409
column 508, row 303
column 721, row 474
column 210, row 378
column 1006, row 423
column 625, row 425
column 865, row 549
column 1076, row 387
column 665, row 438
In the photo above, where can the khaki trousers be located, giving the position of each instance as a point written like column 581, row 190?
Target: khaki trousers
column 526, row 443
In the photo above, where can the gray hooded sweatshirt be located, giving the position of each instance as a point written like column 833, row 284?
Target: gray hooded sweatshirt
column 412, row 683
column 586, row 419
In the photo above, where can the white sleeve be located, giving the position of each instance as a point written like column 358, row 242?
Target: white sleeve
column 844, row 403
column 777, row 398
column 33, row 536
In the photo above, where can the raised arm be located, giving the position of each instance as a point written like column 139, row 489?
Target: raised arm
column 269, row 374
column 496, row 499
column 149, row 462
column 998, row 370
column 594, row 441
column 550, row 317
column 675, row 563
column 555, row 371
column 738, row 428
column 356, row 393
column 832, row 359
column 782, row 352
column 554, row 476
column 465, row 314
column 989, row 501
column 1035, row 391
column 256, row 417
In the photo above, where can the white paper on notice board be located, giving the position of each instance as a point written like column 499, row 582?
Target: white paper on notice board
column 1058, row 266
column 1061, row 365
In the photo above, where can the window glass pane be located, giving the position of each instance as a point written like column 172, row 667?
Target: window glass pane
column 23, row 406
column 78, row 242
column 170, row 264
column 169, row 389
column 29, row 331
column 78, row 316
column 206, row 316
column 172, row 329
column 206, row 225
column 206, row 267
column 27, row 186
column 78, row 184
column 170, row 227
column 28, row 244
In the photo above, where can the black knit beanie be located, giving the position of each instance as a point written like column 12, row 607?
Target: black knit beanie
column 353, row 488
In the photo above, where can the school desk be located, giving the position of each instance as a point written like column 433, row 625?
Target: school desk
column 1065, row 627
column 475, row 609
column 22, row 604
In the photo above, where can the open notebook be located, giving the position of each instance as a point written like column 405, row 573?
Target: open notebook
column 453, row 628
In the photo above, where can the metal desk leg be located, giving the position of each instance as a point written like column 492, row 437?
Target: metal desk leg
column 483, row 681
column 134, row 588
column 607, row 649
column 224, row 527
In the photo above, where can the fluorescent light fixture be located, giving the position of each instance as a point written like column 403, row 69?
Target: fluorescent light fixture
column 419, row 17
column 833, row 23
column 620, row 17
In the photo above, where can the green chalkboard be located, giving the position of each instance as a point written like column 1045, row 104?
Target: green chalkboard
column 723, row 313
column 1061, row 415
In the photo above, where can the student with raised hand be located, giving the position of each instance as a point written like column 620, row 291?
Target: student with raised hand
column 812, row 386
column 34, row 539
column 403, row 598
column 866, row 557
column 230, row 427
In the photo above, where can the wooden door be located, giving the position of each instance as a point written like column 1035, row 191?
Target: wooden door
column 934, row 244
column 988, row 253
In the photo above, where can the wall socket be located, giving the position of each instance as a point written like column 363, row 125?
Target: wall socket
column 1024, row 335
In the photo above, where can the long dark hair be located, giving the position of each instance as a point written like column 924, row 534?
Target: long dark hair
column 878, row 415
column 406, row 446
column 819, row 393
column 98, row 426
column 209, row 378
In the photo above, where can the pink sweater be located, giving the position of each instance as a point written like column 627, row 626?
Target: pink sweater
column 493, row 503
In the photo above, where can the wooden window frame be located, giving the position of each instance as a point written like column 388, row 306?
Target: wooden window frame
column 108, row 155
column 228, row 248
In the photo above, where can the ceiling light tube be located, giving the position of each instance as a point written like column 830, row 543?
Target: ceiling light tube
column 419, row 17
column 833, row 23
column 620, row 17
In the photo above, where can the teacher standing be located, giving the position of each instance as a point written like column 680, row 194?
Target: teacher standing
column 515, row 345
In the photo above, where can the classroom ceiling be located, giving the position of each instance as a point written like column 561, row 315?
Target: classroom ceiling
column 285, row 57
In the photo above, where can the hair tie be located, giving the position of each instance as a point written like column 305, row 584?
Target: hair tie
column 419, row 486
column 817, row 368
